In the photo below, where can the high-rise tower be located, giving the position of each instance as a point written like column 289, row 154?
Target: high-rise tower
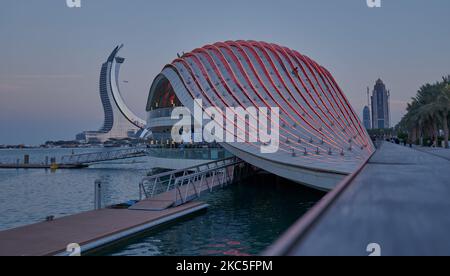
column 366, row 118
column 380, row 106
column 366, row 112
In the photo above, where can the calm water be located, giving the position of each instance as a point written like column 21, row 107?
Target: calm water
column 242, row 219
column 28, row 196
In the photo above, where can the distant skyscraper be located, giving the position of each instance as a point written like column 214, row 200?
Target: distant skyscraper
column 366, row 118
column 380, row 106
column 366, row 112
column 119, row 121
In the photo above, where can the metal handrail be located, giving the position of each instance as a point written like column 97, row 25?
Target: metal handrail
column 206, row 173
column 189, row 183
column 192, row 168
column 93, row 157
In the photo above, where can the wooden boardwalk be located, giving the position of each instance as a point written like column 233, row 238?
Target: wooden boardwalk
column 90, row 230
column 400, row 201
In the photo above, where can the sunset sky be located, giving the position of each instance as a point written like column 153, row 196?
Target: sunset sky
column 51, row 54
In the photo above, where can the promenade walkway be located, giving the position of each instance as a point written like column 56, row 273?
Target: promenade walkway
column 400, row 201
column 441, row 152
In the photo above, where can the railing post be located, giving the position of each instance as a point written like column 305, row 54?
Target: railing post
column 178, row 191
column 170, row 182
column 197, row 191
column 213, row 180
column 224, row 177
column 98, row 195
column 154, row 187
column 186, row 192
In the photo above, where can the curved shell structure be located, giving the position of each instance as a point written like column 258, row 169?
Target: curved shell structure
column 321, row 139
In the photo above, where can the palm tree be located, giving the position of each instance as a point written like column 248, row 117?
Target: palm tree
column 429, row 114
column 443, row 102
column 411, row 122
column 428, row 111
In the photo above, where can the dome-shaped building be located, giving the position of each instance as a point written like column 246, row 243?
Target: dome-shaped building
column 321, row 139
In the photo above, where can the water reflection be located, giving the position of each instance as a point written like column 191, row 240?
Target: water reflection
column 242, row 220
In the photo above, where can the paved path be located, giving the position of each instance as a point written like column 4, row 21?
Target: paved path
column 441, row 152
column 400, row 200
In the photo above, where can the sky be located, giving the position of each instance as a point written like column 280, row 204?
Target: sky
column 50, row 55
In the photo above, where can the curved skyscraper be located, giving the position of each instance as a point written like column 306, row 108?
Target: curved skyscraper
column 119, row 121
column 321, row 139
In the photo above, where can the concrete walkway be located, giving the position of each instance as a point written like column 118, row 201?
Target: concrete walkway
column 441, row 152
column 400, row 200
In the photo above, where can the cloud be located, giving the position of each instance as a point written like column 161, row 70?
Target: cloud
column 48, row 76
column 9, row 87
column 398, row 103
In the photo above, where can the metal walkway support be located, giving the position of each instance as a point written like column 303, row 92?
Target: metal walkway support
column 95, row 157
column 187, row 184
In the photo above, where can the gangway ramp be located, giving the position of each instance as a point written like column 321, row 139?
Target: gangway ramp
column 178, row 187
column 95, row 157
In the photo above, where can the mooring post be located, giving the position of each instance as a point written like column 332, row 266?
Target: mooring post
column 26, row 159
column 98, row 195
